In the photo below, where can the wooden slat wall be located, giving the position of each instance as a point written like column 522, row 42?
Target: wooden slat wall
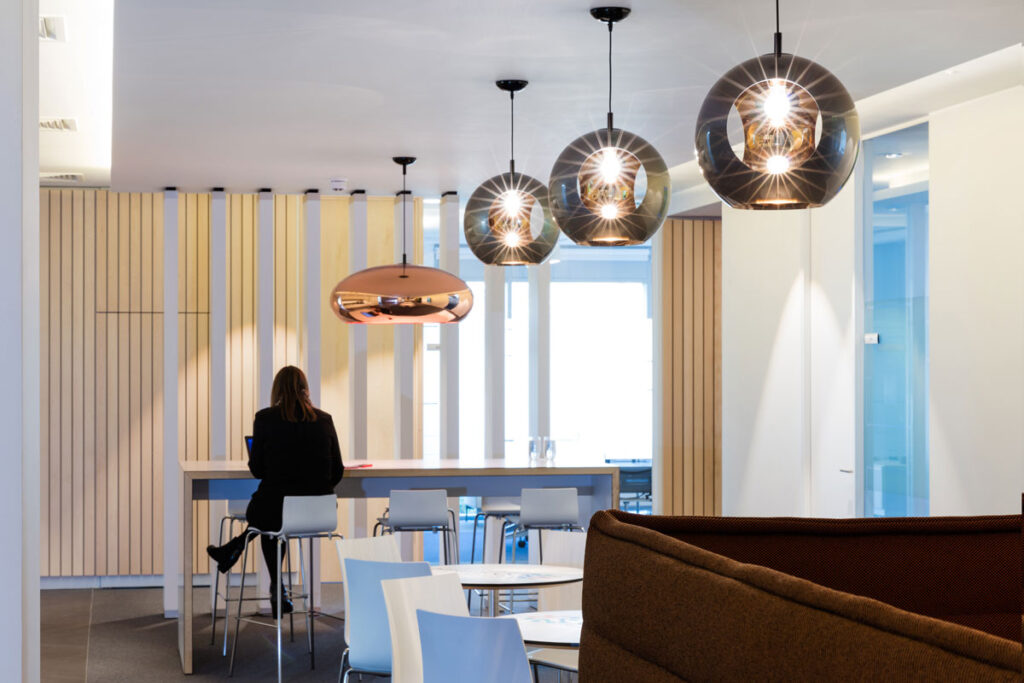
column 691, row 367
column 102, row 333
column 101, row 398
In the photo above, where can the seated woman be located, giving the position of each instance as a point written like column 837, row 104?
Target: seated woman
column 294, row 452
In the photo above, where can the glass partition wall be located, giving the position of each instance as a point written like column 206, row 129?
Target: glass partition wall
column 895, row 464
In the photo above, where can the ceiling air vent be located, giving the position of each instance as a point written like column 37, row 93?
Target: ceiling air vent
column 53, row 178
column 51, row 29
column 58, row 124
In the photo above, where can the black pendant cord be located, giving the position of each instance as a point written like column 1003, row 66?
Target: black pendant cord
column 778, row 33
column 404, row 169
column 611, row 25
column 512, row 136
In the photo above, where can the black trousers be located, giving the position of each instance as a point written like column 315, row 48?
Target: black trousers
column 264, row 515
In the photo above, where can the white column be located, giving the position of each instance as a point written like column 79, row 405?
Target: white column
column 265, row 291
column 494, row 362
column 404, row 343
column 314, row 294
column 449, row 257
column 172, row 474
column 357, row 387
column 540, row 349
column 19, row 275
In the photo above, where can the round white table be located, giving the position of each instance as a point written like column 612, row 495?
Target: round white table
column 495, row 577
column 550, row 629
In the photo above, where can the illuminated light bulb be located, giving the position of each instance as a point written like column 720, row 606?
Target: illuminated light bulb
column 512, row 239
column 777, row 164
column 512, row 203
column 609, row 211
column 776, row 105
column 611, row 165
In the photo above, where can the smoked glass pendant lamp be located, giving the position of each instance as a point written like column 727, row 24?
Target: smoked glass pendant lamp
column 402, row 292
column 507, row 220
column 801, row 133
column 609, row 187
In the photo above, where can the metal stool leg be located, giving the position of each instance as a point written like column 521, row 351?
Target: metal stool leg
column 279, row 588
column 238, row 615
column 472, row 549
column 310, row 606
column 291, row 591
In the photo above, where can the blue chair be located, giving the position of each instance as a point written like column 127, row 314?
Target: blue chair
column 477, row 649
column 369, row 649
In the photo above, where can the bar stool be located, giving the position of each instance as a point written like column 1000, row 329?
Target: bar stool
column 302, row 517
column 547, row 509
column 235, row 515
column 422, row 510
column 506, row 509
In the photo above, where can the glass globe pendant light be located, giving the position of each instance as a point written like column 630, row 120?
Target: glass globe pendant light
column 609, row 187
column 402, row 292
column 507, row 220
column 779, row 98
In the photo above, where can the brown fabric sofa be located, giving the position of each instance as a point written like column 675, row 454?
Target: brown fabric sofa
column 702, row 598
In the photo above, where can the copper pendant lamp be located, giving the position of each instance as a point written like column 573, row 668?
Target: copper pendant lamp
column 507, row 220
column 609, row 187
column 401, row 292
column 780, row 99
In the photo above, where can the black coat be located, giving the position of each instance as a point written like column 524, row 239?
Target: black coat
column 290, row 459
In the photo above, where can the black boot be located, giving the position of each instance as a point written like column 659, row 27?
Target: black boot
column 286, row 604
column 227, row 555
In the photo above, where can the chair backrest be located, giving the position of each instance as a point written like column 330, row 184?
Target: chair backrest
column 418, row 509
column 369, row 641
column 374, row 548
column 238, row 508
column 439, row 593
column 309, row 514
column 477, row 649
column 549, row 507
column 565, row 548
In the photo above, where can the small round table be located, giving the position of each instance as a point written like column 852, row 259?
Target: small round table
column 495, row 577
column 550, row 629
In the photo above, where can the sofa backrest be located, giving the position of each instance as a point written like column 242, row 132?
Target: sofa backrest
column 656, row 608
column 967, row 570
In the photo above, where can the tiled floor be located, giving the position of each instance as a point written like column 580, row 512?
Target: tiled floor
column 119, row 635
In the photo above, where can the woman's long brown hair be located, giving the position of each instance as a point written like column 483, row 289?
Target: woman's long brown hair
column 290, row 394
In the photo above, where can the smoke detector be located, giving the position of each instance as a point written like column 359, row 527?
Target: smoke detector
column 338, row 184
column 58, row 124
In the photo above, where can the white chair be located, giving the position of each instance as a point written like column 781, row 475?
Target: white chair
column 440, row 593
column 492, row 507
column 375, row 549
column 421, row 510
column 235, row 515
column 547, row 509
column 565, row 548
column 475, row 649
column 302, row 517
column 562, row 661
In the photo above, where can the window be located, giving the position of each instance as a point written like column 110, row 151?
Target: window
column 895, row 470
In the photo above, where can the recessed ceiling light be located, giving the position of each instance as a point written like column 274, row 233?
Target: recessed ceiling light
column 58, row 124
column 893, row 155
column 950, row 72
column 60, row 177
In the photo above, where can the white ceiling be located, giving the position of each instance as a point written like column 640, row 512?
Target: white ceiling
column 265, row 93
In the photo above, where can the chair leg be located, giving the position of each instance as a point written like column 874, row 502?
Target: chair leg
column 310, row 606
column 216, row 582
column 455, row 534
column 540, row 546
column 343, row 670
column 279, row 588
column 291, row 592
column 238, row 615
column 472, row 547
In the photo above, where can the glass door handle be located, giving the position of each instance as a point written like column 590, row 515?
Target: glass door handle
column 845, row 471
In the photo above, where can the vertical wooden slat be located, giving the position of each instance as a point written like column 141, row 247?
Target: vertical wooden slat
column 148, row 529
column 134, row 412
column 280, row 279
column 124, row 386
column 667, row 455
column 248, row 318
column 113, row 440
column 44, row 382
column 66, row 340
column 234, row 385
column 102, row 531
column 77, row 333
column 718, row 367
column 89, row 386
column 697, row 480
column 55, row 377
column 679, row 271
column 158, row 383
column 708, row 366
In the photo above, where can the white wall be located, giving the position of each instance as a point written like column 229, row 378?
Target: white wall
column 789, row 282
column 976, row 306
column 19, row 337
